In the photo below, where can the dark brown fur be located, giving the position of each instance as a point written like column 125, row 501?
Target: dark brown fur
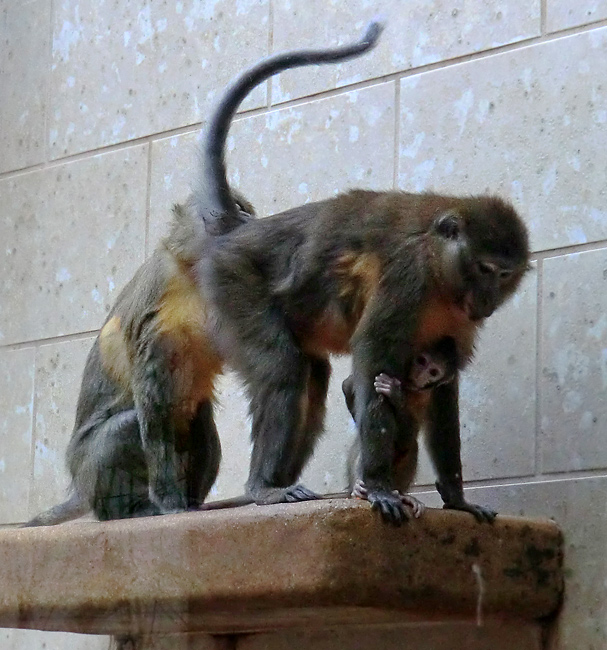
column 377, row 274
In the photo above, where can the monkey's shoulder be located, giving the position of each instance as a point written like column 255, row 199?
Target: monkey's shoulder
column 161, row 303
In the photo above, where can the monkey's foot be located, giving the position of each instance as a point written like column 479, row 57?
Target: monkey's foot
column 390, row 505
column 359, row 490
column 268, row 495
column 481, row 514
column 169, row 503
column 300, row 493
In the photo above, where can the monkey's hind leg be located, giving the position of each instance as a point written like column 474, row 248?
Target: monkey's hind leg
column 110, row 469
column 204, row 455
column 154, row 396
column 279, row 401
column 315, row 409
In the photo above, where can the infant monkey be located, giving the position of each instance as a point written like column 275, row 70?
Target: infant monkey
column 408, row 399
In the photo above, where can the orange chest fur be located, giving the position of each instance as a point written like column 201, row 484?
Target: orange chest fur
column 440, row 318
column 418, row 402
column 179, row 331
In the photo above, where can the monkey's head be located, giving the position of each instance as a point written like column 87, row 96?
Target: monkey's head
column 480, row 252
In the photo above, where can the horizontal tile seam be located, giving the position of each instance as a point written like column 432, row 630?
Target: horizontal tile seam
column 540, row 479
column 536, row 257
column 324, row 94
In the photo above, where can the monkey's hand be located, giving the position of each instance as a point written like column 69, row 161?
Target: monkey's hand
column 481, row 513
column 386, row 385
column 390, row 505
column 453, row 498
column 417, row 508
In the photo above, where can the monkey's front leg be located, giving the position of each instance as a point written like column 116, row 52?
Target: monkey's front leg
column 154, row 400
column 443, row 439
column 378, row 430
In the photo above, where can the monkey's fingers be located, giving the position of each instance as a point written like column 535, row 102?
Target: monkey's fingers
column 389, row 505
column 481, row 514
column 417, row 507
column 359, row 490
column 300, row 493
column 385, row 380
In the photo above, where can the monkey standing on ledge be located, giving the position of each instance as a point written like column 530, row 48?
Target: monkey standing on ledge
column 144, row 441
column 377, row 274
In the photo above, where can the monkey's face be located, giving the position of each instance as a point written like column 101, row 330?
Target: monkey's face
column 483, row 253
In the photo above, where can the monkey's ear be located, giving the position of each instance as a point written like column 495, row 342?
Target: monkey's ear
column 448, row 225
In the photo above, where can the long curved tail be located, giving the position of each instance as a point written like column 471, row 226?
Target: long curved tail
column 214, row 202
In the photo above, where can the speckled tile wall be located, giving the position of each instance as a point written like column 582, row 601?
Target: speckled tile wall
column 101, row 104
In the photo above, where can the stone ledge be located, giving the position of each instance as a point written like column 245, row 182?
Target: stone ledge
column 260, row 568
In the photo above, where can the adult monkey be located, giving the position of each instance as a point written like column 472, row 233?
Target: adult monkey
column 144, row 440
column 377, row 274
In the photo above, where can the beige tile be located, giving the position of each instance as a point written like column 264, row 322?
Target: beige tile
column 573, row 381
column 527, row 124
column 289, row 156
column 432, row 635
column 174, row 170
column 58, row 374
column 578, row 506
column 326, row 471
column 123, row 70
column 40, row 640
column 16, row 407
column 24, row 69
column 417, row 33
column 234, row 426
column 562, row 14
column 72, row 236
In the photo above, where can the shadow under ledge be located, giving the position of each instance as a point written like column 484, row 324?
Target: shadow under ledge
column 307, row 565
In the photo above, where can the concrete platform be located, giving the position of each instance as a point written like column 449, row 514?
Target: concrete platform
column 314, row 564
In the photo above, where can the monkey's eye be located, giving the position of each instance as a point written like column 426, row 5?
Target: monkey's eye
column 484, row 268
column 505, row 274
column 448, row 227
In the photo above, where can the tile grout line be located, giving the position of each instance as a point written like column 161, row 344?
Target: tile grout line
column 33, row 437
column 525, row 479
column 61, row 338
column 539, row 321
column 320, row 95
column 395, row 177
column 270, row 48
column 48, row 91
column 543, row 12
column 148, row 202
column 586, row 247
